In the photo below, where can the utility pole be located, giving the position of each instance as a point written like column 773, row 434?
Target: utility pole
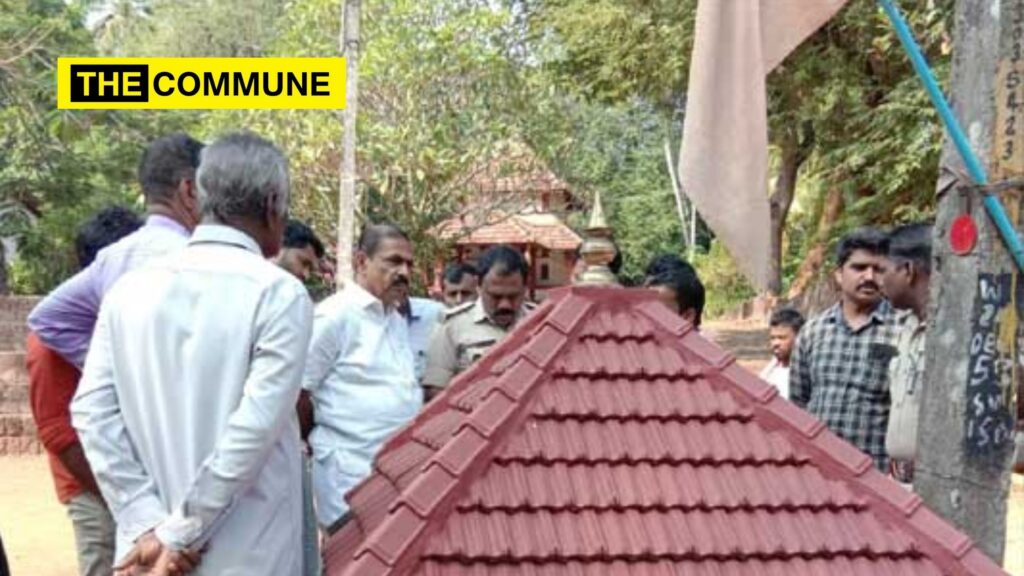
column 971, row 366
column 347, row 198
column 689, row 230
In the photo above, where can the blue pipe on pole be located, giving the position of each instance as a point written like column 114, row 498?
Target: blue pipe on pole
column 974, row 167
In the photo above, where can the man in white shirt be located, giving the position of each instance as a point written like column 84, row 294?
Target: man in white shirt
column 360, row 371
column 186, row 406
column 784, row 325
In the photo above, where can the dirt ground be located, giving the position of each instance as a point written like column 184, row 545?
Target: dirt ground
column 39, row 542
column 36, row 532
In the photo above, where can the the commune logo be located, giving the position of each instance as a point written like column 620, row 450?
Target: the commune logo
column 200, row 83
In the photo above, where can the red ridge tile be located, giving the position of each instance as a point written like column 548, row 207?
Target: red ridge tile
column 800, row 420
column 491, row 414
column 714, row 356
column 390, row 541
column 518, row 379
column 977, row 563
column 426, row 491
column 758, row 390
column 403, row 459
column 943, row 534
column 842, row 452
column 568, row 313
column 436, row 431
column 365, row 565
column 468, row 399
column 372, row 498
column 544, row 346
column 341, row 549
column 664, row 318
column 458, row 454
column 904, row 500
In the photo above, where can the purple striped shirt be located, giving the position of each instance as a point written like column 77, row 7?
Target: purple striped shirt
column 65, row 319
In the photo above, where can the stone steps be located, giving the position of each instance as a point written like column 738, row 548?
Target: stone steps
column 17, row 425
column 16, row 308
column 14, row 399
column 20, row 446
column 12, row 336
column 17, row 429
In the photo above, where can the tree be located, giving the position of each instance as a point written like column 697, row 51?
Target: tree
column 438, row 95
column 347, row 199
column 849, row 86
column 121, row 20
column 617, row 150
column 190, row 28
column 56, row 166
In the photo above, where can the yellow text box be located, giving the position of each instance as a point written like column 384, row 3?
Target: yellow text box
column 201, row 83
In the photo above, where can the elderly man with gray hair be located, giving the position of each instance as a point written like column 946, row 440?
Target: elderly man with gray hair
column 186, row 408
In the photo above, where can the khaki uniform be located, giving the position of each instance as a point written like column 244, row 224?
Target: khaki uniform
column 463, row 336
column 905, row 379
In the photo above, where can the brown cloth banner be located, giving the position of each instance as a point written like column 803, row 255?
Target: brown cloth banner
column 723, row 165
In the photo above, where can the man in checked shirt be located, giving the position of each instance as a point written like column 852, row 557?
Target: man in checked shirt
column 841, row 362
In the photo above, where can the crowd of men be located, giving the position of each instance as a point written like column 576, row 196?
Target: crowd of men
column 201, row 415
column 858, row 365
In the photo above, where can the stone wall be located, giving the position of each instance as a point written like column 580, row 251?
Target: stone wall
column 17, row 430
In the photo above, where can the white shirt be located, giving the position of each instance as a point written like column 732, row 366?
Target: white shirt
column 777, row 375
column 186, row 408
column 424, row 315
column 360, row 375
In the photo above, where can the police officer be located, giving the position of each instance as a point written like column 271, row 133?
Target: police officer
column 469, row 330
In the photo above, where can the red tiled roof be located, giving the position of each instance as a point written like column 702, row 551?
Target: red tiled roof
column 545, row 230
column 516, row 169
column 604, row 436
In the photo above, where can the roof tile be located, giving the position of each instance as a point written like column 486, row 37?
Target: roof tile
column 936, row 528
column 782, row 412
column 904, row 500
column 389, row 543
column 567, row 315
column 603, row 437
column 426, row 491
column 518, row 379
column 436, row 431
column 544, row 346
column 373, row 498
column 759, row 390
column 843, row 452
column 491, row 414
column 367, row 565
column 458, row 454
column 661, row 316
column 466, row 400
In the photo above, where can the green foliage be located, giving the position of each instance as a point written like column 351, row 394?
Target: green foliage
column 725, row 286
column 594, row 87
column 615, row 50
column 617, row 150
column 56, row 166
column 191, row 28
column 876, row 135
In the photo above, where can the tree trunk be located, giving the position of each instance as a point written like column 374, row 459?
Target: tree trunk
column 5, row 288
column 816, row 256
column 347, row 197
column 965, row 436
column 794, row 152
